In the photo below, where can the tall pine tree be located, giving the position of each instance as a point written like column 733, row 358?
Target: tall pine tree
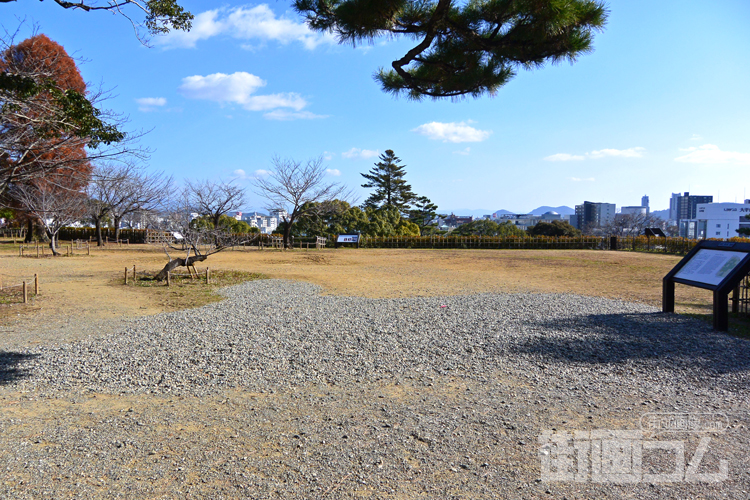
column 387, row 178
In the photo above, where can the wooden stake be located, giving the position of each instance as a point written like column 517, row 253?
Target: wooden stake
column 88, row 248
column 134, row 278
column 36, row 284
column 208, row 277
column 25, row 294
column 168, row 280
column 126, row 275
column 37, row 250
column 1, row 282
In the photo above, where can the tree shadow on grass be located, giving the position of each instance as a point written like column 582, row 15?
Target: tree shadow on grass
column 11, row 366
column 666, row 339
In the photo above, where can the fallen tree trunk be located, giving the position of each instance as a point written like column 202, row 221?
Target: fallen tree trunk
column 175, row 263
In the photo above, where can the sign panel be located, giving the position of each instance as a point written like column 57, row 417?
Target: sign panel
column 710, row 266
column 348, row 238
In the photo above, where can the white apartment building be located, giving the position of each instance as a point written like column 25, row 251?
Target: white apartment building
column 717, row 220
column 267, row 224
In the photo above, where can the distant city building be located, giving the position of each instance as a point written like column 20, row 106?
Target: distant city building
column 593, row 215
column 265, row 223
column 456, row 220
column 634, row 210
column 644, row 203
column 684, row 207
column 525, row 221
column 281, row 215
column 551, row 215
column 716, row 220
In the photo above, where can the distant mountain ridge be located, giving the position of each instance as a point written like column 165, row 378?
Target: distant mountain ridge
column 664, row 214
column 479, row 212
column 562, row 210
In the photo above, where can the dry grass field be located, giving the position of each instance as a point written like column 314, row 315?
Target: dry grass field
column 164, row 436
column 91, row 287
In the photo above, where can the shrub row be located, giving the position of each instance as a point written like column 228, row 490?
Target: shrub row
column 85, row 233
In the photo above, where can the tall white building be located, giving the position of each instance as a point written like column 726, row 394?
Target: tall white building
column 267, row 224
column 717, row 220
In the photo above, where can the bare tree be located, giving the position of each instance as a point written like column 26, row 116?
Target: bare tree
column 52, row 206
column 119, row 190
column 138, row 192
column 101, row 194
column 214, row 199
column 198, row 241
column 295, row 188
column 633, row 224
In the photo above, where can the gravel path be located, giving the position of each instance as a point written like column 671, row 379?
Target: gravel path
column 280, row 392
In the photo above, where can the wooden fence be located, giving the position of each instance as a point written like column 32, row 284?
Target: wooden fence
column 18, row 289
column 488, row 242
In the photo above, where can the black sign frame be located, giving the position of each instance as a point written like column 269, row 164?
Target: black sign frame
column 721, row 291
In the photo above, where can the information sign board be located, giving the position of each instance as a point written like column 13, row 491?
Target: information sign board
column 710, row 266
column 348, row 238
column 719, row 266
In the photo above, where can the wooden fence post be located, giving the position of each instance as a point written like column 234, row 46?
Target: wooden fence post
column 208, row 276
column 25, row 294
column 20, row 250
column 168, row 278
column 36, row 284
column 126, row 275
column 37, row 249
column 1, row 282
column 134, row 275
column 88, row 248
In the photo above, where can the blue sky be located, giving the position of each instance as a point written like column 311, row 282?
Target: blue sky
column 662, row 105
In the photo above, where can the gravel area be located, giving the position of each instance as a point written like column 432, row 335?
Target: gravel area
column 278, row 391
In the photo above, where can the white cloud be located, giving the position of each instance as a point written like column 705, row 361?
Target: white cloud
column 579, row 179
column 333, row 171
column 452, row 132
column 282, row 115
column 711, row 154
column 205, row 25
column 564, row 157
column 602, row 153
column 147, row 104
column 238, row 88
column 622, row 153
column 221, row 87
column 464, row 152
column 240, row 174
column 328, row 155
column 361, row 154
column 258, row 23
column 262, row 173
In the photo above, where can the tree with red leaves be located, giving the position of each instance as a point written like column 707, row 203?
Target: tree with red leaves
column 45, row 164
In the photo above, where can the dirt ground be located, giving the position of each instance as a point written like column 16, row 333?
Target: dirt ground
column 91, row 287
column 83, row 289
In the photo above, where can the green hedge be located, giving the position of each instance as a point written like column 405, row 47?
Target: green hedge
column 85, row 233
column 497, row 242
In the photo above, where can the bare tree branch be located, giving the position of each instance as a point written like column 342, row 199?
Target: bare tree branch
column 295, row 188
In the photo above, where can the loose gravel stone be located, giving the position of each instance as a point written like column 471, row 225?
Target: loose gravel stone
column 451, row 393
